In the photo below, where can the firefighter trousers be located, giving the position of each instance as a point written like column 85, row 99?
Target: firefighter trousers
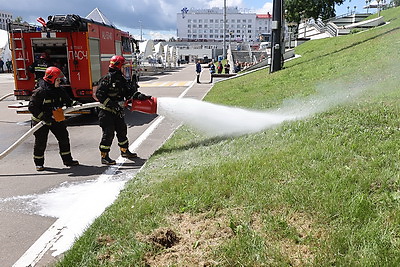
column 59, row 129
column 112, row 123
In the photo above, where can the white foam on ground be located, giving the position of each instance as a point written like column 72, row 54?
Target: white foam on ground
column 78, row 205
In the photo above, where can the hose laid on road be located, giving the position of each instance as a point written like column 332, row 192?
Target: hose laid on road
column 5, row 96
column 40, row 124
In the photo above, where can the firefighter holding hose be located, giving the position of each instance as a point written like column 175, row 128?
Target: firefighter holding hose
column 46, row 105
column 112, row 92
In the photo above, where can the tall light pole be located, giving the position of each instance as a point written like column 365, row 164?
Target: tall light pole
column 224, row 42
column 141, row 31
column 276, row 45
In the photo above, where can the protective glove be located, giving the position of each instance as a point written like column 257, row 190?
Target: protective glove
column 140, row 96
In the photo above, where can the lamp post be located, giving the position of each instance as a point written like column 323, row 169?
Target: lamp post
column 224, row 42
column 276, row 45
column 141, row 32
column 379, row 7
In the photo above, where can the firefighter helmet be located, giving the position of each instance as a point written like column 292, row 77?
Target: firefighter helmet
column 52, row 73
column 44, row 55
column 116, row 62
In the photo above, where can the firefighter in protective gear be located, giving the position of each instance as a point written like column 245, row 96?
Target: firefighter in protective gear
column 40, row 66
column 112, row 92
column 45, row 105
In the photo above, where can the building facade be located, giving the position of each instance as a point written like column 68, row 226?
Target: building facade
column 5, row 17
column 208, row 25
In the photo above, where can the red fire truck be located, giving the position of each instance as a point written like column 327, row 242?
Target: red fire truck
column 80, row 47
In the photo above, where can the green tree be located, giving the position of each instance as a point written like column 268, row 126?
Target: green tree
column 396, row 2
column 18, row 19
column 299, row 9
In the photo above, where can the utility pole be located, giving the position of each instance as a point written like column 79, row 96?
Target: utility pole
column 141, row 31
column 224, row 42
column 276, row 45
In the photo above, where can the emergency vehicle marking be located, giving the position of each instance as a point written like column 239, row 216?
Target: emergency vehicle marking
column 80, row 55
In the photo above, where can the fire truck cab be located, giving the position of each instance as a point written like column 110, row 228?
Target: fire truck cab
column 80, row 47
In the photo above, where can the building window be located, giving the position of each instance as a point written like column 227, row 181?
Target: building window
column 211, row 21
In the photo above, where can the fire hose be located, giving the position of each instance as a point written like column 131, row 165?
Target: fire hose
column 41, row 123
column 146, row 106
column 5, row 96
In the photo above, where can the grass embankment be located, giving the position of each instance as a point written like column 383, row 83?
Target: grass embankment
column 320, row 191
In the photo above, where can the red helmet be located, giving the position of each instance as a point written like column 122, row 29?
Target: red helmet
column 116, row 62
column 52, row 73
column 44, row 55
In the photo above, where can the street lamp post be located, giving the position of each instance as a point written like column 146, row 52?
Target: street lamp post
column 276, row 45
column 141, row 32
column 224, row 42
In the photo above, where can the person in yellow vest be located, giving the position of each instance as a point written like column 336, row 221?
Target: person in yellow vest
column 40, row 65
column 46, row 105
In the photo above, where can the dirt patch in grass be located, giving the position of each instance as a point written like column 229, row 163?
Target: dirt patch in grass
column 301, row 250
column 188, row 242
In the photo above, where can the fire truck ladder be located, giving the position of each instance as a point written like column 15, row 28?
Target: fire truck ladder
column 19, row 54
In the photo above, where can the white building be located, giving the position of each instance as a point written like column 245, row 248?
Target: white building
column 208, row 24
column 5, row 17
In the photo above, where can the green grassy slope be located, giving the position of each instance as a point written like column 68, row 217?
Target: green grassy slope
column 320, row 191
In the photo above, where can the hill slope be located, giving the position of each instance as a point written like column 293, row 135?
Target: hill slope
column 324, row 190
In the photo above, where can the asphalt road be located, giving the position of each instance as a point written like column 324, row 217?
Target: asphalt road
column 21, row 226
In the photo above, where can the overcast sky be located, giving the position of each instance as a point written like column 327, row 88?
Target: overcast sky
column 156, row 17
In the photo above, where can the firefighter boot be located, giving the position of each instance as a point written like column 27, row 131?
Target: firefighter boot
column 39, row 168
column 125, row 153
column 71, row 162
column 105, row 159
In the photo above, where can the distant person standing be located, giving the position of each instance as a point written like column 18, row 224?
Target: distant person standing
column 219, row 67
column 198, row 70
column 212, row 70
column 1, row 65
column 9, row 65
column 227, row 67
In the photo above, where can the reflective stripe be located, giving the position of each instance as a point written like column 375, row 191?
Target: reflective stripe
column 123, row 143
column 38, row 157
column 35, row 119
column 108, row 109
column 106, row 101
column 105, row 147
column 65, row 153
